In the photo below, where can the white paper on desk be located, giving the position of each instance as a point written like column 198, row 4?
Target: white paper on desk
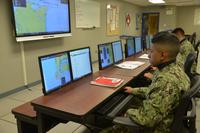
column 130, row 64
column 144, row 56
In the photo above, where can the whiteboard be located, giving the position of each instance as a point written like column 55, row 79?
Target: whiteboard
column 87, row 13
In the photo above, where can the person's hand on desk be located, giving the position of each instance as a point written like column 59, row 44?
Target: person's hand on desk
column 153, row 68
column 148, row 75
column 128, row 89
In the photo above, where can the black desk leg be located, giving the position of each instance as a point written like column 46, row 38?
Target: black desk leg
column 19, row 126
column 41, row 123
column 25, row 127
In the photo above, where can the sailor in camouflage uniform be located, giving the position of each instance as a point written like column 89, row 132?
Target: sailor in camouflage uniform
column 169, row 82
column 185, row 48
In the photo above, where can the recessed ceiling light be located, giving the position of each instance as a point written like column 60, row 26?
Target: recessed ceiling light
column 157, row 1
column 108, row 6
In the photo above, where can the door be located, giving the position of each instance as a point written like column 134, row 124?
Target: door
column 150, row 26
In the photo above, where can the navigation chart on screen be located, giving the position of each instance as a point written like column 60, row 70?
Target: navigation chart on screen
column 106, row 55
column 41, row 16
column 56, row 71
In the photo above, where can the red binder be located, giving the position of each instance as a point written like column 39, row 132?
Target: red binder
column 108, row 82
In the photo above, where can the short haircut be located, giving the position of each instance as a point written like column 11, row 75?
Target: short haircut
column 179, row 31
column 168, row 42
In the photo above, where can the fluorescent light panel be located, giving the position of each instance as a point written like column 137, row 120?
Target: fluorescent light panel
column 157, row 1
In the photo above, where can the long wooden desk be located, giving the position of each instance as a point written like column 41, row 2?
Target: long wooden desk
column 77, row 100
column 125, row 72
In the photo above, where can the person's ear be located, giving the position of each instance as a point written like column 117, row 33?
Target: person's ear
column 164, row 55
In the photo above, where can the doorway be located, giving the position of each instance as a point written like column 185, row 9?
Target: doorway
column 150, row 26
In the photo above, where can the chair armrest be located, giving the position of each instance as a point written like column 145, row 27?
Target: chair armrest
column 127, row 122
column 192, row 113
column 197, row 95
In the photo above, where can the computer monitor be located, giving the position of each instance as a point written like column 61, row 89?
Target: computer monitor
column 41, row 19
column 55, row 71
column 130, row 47
column 138, row 44
column 105, row 53
column 148, row 42
column 80, row 60
column 117, row 51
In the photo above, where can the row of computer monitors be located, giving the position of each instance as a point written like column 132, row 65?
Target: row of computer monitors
column 111, row 53
column 62, row 68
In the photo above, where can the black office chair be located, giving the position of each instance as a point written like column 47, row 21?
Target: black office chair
column 191, row 58
column 197, row 56
column 197, row 46
column 197, row 49
column 192, row 39
column 181, row 120
column 187, row 36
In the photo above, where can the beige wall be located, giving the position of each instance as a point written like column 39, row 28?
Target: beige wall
column 10, row 57
column 181, row 17
column 10, row 54
column 166, row 21
column 185, row 19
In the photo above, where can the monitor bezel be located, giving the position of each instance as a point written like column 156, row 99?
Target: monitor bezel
column 126, row 47
column 89, row 59
column 121, row 52
column 141, row 44
column 42, row 35
column 99, row 58
column 45, row 92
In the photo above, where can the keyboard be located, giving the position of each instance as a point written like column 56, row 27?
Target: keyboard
column 114, row 101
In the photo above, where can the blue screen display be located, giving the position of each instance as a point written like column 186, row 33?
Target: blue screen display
column 117, row 51
column 138, row 44
column 37, row 17
column 80, row 63
column 55, row 70
column 130, row 46
column 106, row 55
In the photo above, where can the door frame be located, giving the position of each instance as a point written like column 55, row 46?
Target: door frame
column 143, row 22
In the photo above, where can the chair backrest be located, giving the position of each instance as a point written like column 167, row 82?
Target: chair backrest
column 197, row 48
column 192, row 38
column 187, row 36
column 191, row 58
column 184, row 105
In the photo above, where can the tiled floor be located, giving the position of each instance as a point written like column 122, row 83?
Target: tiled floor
column 8, row 122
